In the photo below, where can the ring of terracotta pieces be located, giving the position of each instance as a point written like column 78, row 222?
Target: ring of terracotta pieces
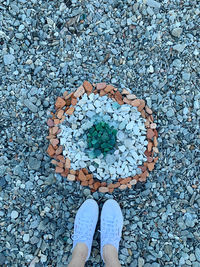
column 65, row 105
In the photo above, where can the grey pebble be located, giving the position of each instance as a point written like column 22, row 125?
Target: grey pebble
column 153, row 3
column 2, row 259
column 34, row 163
column 30, row 106
column 14, row 214
column 8, row 59
column 177, row 32
column 26, row 238
column 197, row 253
column 86, row 192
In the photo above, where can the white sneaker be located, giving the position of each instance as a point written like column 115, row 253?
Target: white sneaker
column 111, row 224
column 85, row 224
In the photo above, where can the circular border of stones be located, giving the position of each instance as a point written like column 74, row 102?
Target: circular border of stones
column 65, row 105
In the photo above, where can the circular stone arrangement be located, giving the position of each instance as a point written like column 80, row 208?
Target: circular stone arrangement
column 103, row 138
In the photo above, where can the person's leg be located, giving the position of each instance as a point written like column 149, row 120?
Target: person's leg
column 110, row 256
column 84, row 228
column 79, row 255
column 111, row 230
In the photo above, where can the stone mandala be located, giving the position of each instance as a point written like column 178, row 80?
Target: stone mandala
column 102, row 138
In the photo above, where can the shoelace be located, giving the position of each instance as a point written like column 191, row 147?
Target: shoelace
column 110, row 229
column 83, row 229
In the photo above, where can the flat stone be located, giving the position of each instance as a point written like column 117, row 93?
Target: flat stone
column 150, row 133
column 14, row 214
column 103, row 189
column 34, row 163
column 88, row 87
column 50, row 122
column 79, row 92
column 2, row 259
column 67, row 163
column 153, row 3
column 30, row 106
column 70, row 111
column 177, row 32
column 54, row 142
column 60, row 103
column 8, row 59
column 109, row 88
column 179, row 47
column 197, row 253
column 170, row 113
column 71, row 177
column 26, row 238
column 135, row 103
column 131, row 97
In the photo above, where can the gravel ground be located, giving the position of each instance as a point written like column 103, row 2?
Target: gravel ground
column 148, row 46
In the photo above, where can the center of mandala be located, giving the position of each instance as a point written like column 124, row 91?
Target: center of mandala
column 101, row 139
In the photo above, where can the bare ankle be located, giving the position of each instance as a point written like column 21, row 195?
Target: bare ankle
column 110, row 256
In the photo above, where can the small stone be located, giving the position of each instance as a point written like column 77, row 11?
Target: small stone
column 79, row 92
column 70, row 111
column 67, row 163
column 26, row 238
column 123, row 187
column 50, row 150
column 8, row 59
column 59, row 150
column 177, row 32
column 88, row 87
column 109, row 88
column 92, row 168
column 34, row 163
column 54, row 142
column 148, row 110
column 14, row 214
column 153, row 3
column 86, row 192
column 71, row 177
column 55, row 130
column 100, row 86
column 151, row 166
column 150, row 133
column 81, row 176
column 2, row 259
column 59, row 170
column 153, row 125
column 103, row 189
column 179, row 47
column 60, row 114
column 197, row 253
column 135, row 103
column 60, row 103
column 131, row 97
column 170, row 113
column 125, row 92
column 50, row 123
column 186, row 76
column 140, row 262
column 30, row 106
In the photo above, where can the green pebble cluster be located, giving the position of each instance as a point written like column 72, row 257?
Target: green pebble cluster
column 102, row 138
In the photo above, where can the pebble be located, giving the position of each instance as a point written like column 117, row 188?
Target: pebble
column 197, row 254
column 14, row 214
column 32, row 107
column 26, row 238
column 34, row 163
column 153, row 3
column 8, row 59
column 179, row 47
column 177, row 32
